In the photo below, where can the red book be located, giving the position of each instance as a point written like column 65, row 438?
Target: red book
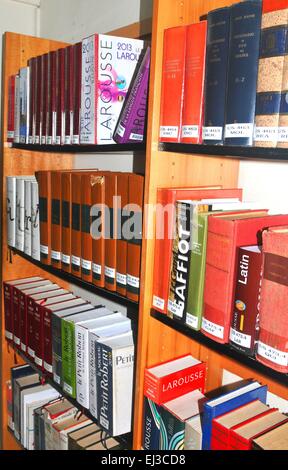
column 244, row 330
column 38, row 88
column 193, row 106
column 44, row 98
column 69, row 94
column 165, row 382
column 40, row 307
column 11, row 108
column 165, row 217
column 173, row 78
column 60, row 97
column 32, row 68
column 273, row 5
column 47, row 293
column 19, row 305
column 52, row 99
column 273, row 339
column 242, row 435
column 77, row 92
column 225, row 235
column 8, row 303
column 222, row 426
column 47, row 328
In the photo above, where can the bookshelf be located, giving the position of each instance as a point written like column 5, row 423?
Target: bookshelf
column 172, row 165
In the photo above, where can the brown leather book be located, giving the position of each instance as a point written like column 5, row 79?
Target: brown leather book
column 66, row 209
column 56, row 206
column 121, row 264
column 44, row 181
column 110, row 232
column 136, row 196
column 98, row 225
column 76, row 225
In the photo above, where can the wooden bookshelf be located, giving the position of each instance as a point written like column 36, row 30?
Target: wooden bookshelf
column 169, row 165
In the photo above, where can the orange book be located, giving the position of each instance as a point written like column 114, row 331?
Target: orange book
column 136, row 196
column 66, row 191
column 44, row 181
column 121, row 265
column 110, row 232
column 56, row 231
column 192, row 118
column 76, row 224
column 98, row 224
column 87, row 182
column 173, row 77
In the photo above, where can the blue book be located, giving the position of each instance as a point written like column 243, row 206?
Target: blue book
column 228, row 402
column 245, row 32
column 216, row 75
column 151, row 425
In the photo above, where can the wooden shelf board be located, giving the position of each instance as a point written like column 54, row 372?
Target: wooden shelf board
column 72, row 149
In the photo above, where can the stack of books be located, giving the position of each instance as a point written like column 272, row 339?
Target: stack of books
column 88, row 350
column 208, row 270
column 227, row 77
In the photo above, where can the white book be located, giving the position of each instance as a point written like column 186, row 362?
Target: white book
column 17, row 111
column 115, row 370
column 193, row 433
column 82, row 354
column 61, row 430
column 11, row 210
column 31, row 400
column 101, row 332
column 20, row 214
column 35, row 222
column 53, row 414
column 24, row 104
column 27, row 218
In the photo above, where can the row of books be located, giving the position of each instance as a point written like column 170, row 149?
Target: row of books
column 88, row 350
column 93, row 92
column 213, row 274
column 87, row 223
column 178, row 416
column 227, row 77
column 41, row 419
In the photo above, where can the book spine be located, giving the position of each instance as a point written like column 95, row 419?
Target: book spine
column 92, row 376
column 216, row 75
column 173, row 79
column 54, row 90
column 17, row 111
column 86, row 239
column 49, row 99
column 57, row 349
column 47, row 342
column 11, row 211
column 35, row 222
column 273, row 49
column 11, row 109
column 121, row 249
column 8, row 312
column 17, row 410
column 197, row 272
column 111, row 232
column 68, row 358
column 88, row 90
column 76, row 226
column 132, row 120
column 192, row 119
column 20, row 212
column 179, row 277
column 16, row 317
column 56, row 205
column 104, row 387
column 23, row 321
column 151, row 425
column 44, row 97
column 82, row 366
column 245, row 26
column 30, row 330
column 134, row 243
column 69, row 84
column 77, row 93
column 173, row 432
column 27, row 219
column 31, row 65
column 98, row 231
column 245, row 321
column 44, row 181
column 38, row 99
column 35, row 86
column 38, row 336
column 60, row 97
column 66, row 194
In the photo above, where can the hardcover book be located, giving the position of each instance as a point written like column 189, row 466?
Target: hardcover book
column 21, row 384
column 87, row 182
column 38, row 97
column 69, row 94
column 193, row 106
column 98, row 223
column 245, row 25
column 60, row 97
column 108, row 65
column 61, row 431
column 123, row 180
column 27, row 217
column 131, row 125
column 11, row 108
column 44, row 181
column 216, row 75
column 85, row 431
column 17, row 111
column 35, row 221
column 66, row 201
column 32, row 100
column 151, row 425
column 273, row 345
column 193, row 433
column 111, row 232
column 56, row 219
column 244, row 330
column 276, row 439
column 76, row 225
column 167, row 381
column 11, row 210
column 77, row 85
column 44, row 98
column 173, row 79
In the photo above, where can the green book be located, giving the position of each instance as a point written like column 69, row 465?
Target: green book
column 69, row 346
